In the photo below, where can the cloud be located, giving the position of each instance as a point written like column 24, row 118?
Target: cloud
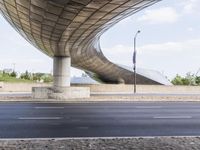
column 123, row 54
column 160, row 15
column 119, row 52
column 190, row 29
column 169, row 57
column 162, row 48
column 190, row 6
column 183, row 48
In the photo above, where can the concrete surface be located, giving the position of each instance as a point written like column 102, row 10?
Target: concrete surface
column 61, row 71
column 21, row 87
column 63, row 93
column 158, row 143
column 51, row 120
column 146, row 97
column 108, row 88
column 122, row 88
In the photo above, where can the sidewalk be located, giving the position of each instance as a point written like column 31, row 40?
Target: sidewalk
column 101, row 97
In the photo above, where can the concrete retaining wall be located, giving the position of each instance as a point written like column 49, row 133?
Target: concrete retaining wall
column 121, row 88
column 107, row 88
column 20, row 87
column 60, row 93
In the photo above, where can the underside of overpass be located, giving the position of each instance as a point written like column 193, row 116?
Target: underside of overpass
column 69, row 32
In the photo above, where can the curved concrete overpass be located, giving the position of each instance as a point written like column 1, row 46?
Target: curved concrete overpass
column 69, row 31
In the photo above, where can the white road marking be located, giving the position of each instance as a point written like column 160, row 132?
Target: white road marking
column 172, row 117
column 40, row 118
column 148, row 107
column 49, row 107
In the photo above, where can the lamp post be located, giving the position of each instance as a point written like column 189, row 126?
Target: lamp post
column 134, row 60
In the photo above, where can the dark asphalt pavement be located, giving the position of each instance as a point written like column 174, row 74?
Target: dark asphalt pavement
column 44, row 120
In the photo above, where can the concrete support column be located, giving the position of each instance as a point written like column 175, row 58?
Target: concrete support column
column 61, row 71
column 61, row 89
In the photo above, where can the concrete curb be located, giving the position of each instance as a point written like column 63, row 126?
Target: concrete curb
column 18, row 96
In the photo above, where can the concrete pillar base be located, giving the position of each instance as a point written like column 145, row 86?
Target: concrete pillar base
column 61, row 89
column 60, row 93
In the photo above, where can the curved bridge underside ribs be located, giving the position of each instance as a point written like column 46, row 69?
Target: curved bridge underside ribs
column 72, row 28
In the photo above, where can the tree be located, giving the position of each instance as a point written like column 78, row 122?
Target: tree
column 5, row 74
column 177, row 80
column 197, row 80
column 26, row 75
column 185, row 81
column 47, row 78
column 37, row 76
column 13, row 74
column 189, row 79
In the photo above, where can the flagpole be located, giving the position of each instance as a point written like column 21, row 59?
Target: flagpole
column 134, row 60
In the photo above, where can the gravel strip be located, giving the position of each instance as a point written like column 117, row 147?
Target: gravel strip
column 157, row 143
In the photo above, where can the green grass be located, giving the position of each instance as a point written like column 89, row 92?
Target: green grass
column 14, row 80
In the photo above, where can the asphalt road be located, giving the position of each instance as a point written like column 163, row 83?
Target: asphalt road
column 45, row 120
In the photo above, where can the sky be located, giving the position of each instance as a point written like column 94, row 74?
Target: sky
column 169, row 42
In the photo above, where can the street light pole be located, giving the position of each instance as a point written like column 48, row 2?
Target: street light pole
column 134, row 60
